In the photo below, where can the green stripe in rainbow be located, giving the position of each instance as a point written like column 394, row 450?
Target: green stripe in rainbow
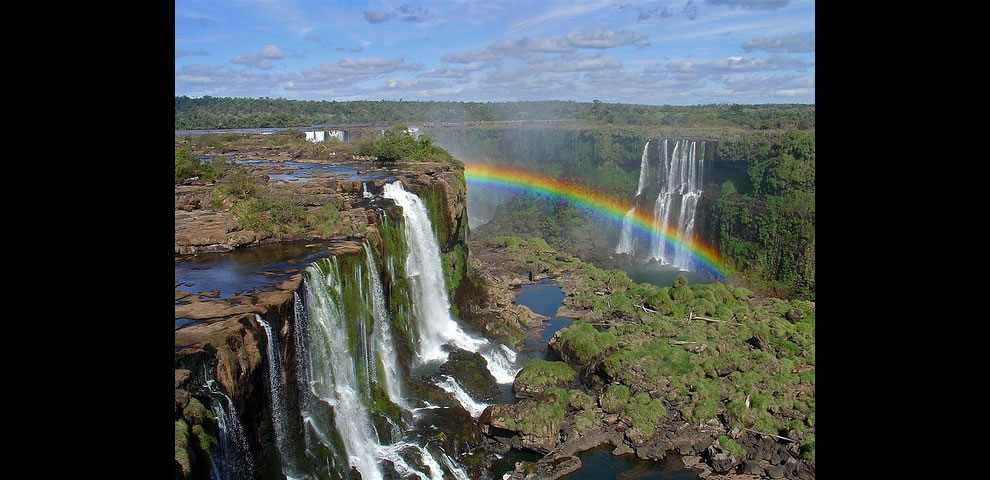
column 613, row 208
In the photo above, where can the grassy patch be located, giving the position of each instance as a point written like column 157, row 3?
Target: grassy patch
column 539, row 374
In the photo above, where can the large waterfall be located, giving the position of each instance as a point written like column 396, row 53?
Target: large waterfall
column 353, row 416
column 680, row 179
column 431, row 303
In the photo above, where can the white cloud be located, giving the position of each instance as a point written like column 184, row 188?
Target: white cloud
column 791, row 43
column 262, row 59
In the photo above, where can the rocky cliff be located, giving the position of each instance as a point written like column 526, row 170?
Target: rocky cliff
column 228, row 345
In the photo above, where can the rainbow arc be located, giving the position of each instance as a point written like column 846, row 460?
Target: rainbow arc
column 703, row 256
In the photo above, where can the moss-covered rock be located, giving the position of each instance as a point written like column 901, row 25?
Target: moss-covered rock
column 643, row 413
column 540, row 374
column 183, row 455
column 614, row 399
column 537, row 421
column 471, row 371
column 581, row 345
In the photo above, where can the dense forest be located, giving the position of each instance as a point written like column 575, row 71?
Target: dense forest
column 764, row 215
column 212, row 112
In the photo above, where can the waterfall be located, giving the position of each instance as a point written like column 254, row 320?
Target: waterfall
column 644, row 167
column 626, row 240
column 430, row 301
column 334, row 378
column 451, row 386
column 679, row 194
column 431, row 304
column 626, row 237
column 234, row 460
column 347, row 363
column 279, row 411
column 383, row 334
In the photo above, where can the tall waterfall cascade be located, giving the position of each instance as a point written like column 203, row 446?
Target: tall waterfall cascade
column 348, row 372
column 431, row 303
column 679, row 181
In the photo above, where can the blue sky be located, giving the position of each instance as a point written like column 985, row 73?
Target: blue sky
column 644, row 52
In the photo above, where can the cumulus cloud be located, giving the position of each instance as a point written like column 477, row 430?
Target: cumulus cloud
column 791, row 43
column 603, row 37
column 376, row 17
column 687, row 67
column 346, row 72
column 446, row 72
column 179, row 52
column 587, row 38
column 262, row 59
column 575, row 65
column 223, row 81
column 690, row 10
column 404, row 13
column 662, row 11
column 751, row 4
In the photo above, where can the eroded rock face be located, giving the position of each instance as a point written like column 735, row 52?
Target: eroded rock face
column 237, row 353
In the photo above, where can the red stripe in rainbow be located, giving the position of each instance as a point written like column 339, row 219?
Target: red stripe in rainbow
column 585, row 197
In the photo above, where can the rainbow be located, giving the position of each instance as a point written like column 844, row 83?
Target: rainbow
column 703, row 255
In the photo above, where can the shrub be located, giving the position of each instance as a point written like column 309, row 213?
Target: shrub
column 186, row 165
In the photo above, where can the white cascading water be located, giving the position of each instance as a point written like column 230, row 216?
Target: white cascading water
column 334, row 373
column 332, row 378
column 279, row 411
column 430, row 301
column 626, row 237
column 383, row 334
column 626, row 241
column 680, row 193
column 338, row 134
column 644, row 167
column 451, row 386
column 235, row 461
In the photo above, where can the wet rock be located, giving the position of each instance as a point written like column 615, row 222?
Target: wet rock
column 471, row 371
column 210, row 294
column 622, row 449
column 237, row 353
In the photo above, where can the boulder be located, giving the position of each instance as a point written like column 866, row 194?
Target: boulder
column 471, row 371
column 534, row 422
column 721, row 459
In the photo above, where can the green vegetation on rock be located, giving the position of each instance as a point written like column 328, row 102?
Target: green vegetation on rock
column 582, row 344
column 731, row 447
column 539, row 374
